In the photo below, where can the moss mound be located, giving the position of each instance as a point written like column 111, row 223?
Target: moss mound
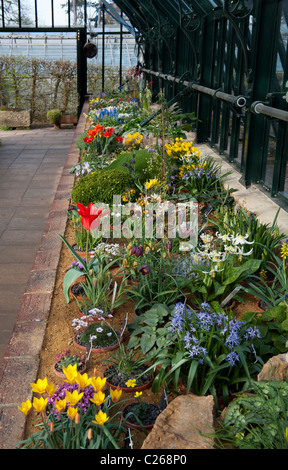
column 145, row 164
column 101, row 185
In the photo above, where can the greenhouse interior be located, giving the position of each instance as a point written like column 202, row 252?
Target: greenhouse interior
column 144, row 227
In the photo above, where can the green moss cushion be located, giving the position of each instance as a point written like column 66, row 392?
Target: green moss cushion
column 145, row 164
column 101, row 185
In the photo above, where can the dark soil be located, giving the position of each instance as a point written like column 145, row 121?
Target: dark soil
column 78, row 290
column 113, row 377
column 146, row 419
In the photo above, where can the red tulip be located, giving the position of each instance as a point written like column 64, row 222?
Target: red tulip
column 90, row 215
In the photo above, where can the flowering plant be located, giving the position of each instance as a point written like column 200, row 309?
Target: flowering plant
column 219, row 266
column 209, row 350
column 74, row 415
column 90, row 218
column 65, row 358
column 182, row 151
column 202, row 179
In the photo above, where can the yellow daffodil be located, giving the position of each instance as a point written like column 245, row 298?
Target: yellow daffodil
column 71, row 412
column 151, row 183
column 40, row 386
column 131, row 383
column 51, row 389
column 74, row 397
column 98, row 398
column 61, row 405
column 82, row 380
column 100, row 418
column 115, row 394
column 40, row 404
column 98, row 383
column 25, row 407
column 71, row 373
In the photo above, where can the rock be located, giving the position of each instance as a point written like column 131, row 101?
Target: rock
column 275, row 369
column 15, row 118
column 180, row 425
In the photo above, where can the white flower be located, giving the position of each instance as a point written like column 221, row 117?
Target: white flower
column 225, row 237
column 99, row 330
column 109, row 334
column 241, row 240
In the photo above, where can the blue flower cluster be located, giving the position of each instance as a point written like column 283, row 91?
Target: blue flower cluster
column 196, row 326
column 199, row 172
column 106, row 113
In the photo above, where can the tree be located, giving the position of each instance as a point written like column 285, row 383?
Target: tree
column 11, row 13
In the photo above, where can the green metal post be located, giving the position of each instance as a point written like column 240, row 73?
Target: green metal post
column 263, row 65
column 81, row 69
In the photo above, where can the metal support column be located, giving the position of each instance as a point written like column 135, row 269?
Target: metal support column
column 81, row 69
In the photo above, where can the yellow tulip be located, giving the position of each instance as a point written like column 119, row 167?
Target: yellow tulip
column 82, row 380
column 100, row 418
column 25, row 407
column 98, row 398
column 40, row 386
column 71, row 373
column 74, row 397
column 61, row 405
column 71, row 412
column 51, row 389
column 98, row 383
column 40, row 404
column 115, row 394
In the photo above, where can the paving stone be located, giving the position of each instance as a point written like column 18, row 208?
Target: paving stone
column 34, row 307
column 26, row 340
column 41, row 281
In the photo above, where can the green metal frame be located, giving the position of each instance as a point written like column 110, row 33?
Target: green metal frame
column 222, row 48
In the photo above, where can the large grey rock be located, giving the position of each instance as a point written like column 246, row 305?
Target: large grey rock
column 182, row 424
column 276, row 368
column 15, row 118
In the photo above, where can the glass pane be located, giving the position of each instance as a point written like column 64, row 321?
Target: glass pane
column 60, row 14
column 44, row 13
column 27, row 13
column 11, row 13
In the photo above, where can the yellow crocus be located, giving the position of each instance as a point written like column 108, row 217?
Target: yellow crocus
column 61, row 405
column 138, row 394
column 98, row 383
column 71, row 373
column 98, row 398
column 115, row 394
column 74, row 397
column 25, row 407
column 131, row 383
column 40, row 404
column 40, row 386
column 72, row 412
column 82, row 380
column 100, row 418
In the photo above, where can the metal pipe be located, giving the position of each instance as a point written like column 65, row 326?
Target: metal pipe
column 260, row 108
column 239, row 101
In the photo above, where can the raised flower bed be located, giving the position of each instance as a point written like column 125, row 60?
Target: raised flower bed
column 218, row 263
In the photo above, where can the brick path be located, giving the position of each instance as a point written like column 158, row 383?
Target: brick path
column 35, row 190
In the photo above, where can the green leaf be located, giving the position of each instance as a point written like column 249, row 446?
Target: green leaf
column 70, row 277
column 147, row 342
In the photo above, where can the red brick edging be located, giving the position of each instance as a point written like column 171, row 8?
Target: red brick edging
column 21, row 359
